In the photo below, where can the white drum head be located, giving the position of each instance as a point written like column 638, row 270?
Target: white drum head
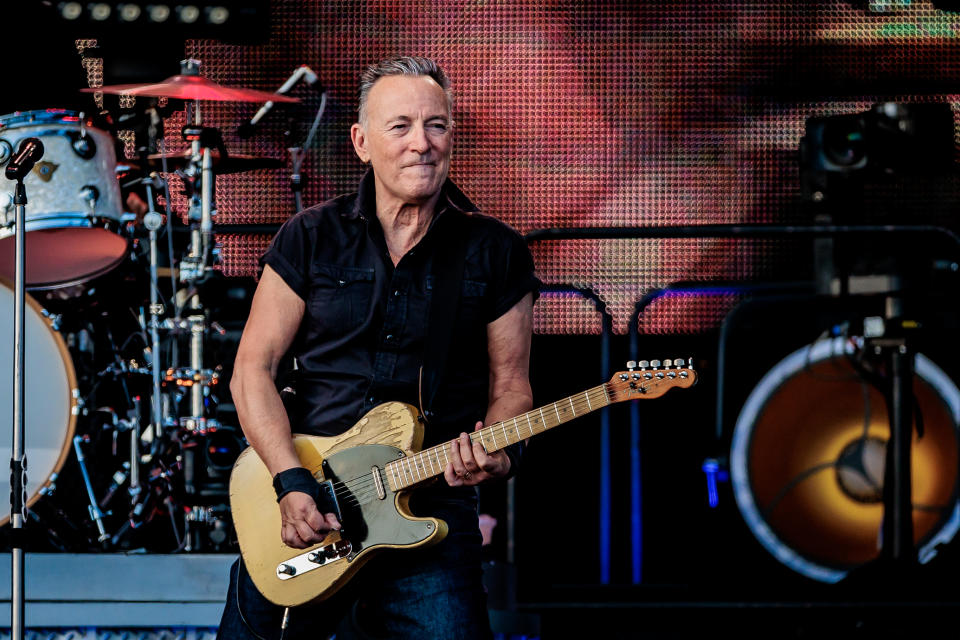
column 49, row 398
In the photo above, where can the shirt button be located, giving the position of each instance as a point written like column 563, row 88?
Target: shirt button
column 371, row 400
column 396, row 292
column 389, row 337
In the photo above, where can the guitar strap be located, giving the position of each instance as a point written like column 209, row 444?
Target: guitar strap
column 447, row 272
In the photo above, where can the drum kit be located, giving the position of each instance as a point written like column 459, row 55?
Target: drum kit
column 123, row 439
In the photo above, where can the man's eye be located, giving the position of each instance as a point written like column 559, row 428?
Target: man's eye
column 439, row 126
column 398, row 126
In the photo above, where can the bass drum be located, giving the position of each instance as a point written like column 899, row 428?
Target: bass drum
column 74, row 210
column 50, row 392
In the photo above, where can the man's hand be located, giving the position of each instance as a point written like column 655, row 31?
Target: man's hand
column 303, row 525
column 470, row 464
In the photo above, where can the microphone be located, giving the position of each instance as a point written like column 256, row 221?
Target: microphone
column 23, row 160
column 303, row 72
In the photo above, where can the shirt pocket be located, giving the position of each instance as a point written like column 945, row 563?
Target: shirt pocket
column 340, row 298
column 472, row 294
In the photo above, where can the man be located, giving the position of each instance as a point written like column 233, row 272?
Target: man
column 347, row 288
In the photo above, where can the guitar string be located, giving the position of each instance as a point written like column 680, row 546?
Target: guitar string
column 602, row 391
column 359, row 490
column 475, row 436
column 360, row 493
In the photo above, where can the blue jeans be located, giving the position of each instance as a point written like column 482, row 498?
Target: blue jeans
column 433, row 593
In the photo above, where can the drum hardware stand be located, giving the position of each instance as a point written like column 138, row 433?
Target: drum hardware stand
column 30, row 151
column 95, row 513
column 152, row 220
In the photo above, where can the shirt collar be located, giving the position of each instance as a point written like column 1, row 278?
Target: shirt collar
column 450, row 197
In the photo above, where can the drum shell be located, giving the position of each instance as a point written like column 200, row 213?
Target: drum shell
column 69, row 238
column 50, row 397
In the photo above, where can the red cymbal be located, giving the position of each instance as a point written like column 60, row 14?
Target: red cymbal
column 186, row 87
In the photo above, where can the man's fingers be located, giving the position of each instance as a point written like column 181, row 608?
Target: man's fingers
column 456, row 460
column 308, row 534
column 451, row 476
column 466, row 454
column 331, row 522
column 315, row 520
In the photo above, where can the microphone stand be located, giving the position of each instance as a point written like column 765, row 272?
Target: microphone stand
column 18, row 461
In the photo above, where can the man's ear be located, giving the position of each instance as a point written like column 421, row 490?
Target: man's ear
column 359, row 138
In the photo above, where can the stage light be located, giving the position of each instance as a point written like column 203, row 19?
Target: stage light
column 188, row 14
column 217, row 15
column 71, row 10
column 100, row 11
column 807, row 461
column 158, row 12
column 129, row 12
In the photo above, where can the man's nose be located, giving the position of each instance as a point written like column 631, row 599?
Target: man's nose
column 419, row 141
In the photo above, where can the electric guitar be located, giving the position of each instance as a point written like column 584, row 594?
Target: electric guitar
column 367, row 471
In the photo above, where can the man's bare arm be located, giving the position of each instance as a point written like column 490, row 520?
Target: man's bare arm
column 508, row 346
column 273, row 323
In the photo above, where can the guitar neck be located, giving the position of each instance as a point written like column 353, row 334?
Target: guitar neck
column 431, row 462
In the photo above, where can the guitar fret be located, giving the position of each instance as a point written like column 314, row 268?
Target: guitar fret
column 543, row 420
column 529, row 424
column 503, row 427
column 437, row 454
column 557, row 411
column 587, row 396
column 494, row 434
column 570, row 398
column 517, row 428
column 423, row 461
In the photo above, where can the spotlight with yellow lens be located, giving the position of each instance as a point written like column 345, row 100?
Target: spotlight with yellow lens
column 807, row 461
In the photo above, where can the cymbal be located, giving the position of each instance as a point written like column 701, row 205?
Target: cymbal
column 233, row 163
column 192, row 87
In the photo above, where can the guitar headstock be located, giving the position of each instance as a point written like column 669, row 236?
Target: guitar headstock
column 651, row 379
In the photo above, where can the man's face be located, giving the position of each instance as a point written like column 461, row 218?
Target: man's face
column 407, row 137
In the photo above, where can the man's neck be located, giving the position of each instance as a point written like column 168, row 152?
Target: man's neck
column 404, row 224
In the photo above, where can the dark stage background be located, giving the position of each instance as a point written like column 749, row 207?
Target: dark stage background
column 623, row 114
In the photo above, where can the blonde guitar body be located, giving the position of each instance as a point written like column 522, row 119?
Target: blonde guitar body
column 371, row 523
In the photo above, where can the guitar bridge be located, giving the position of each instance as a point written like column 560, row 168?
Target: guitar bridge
column 314, row 559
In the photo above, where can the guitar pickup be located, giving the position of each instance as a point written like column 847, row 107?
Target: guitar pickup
column 327, row 499
column 326, row 496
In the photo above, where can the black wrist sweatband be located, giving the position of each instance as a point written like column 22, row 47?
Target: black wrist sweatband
column 296, row 479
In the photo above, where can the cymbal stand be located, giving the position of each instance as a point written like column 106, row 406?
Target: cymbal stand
column 152, row 221
column 195, row 265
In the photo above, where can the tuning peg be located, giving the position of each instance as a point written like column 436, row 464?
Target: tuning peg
column 654, row 363
column 679, row 362
column 667, row 363
column 632, row 364
column 644, row 364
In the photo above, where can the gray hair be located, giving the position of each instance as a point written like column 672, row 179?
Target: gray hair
column 400, row 66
